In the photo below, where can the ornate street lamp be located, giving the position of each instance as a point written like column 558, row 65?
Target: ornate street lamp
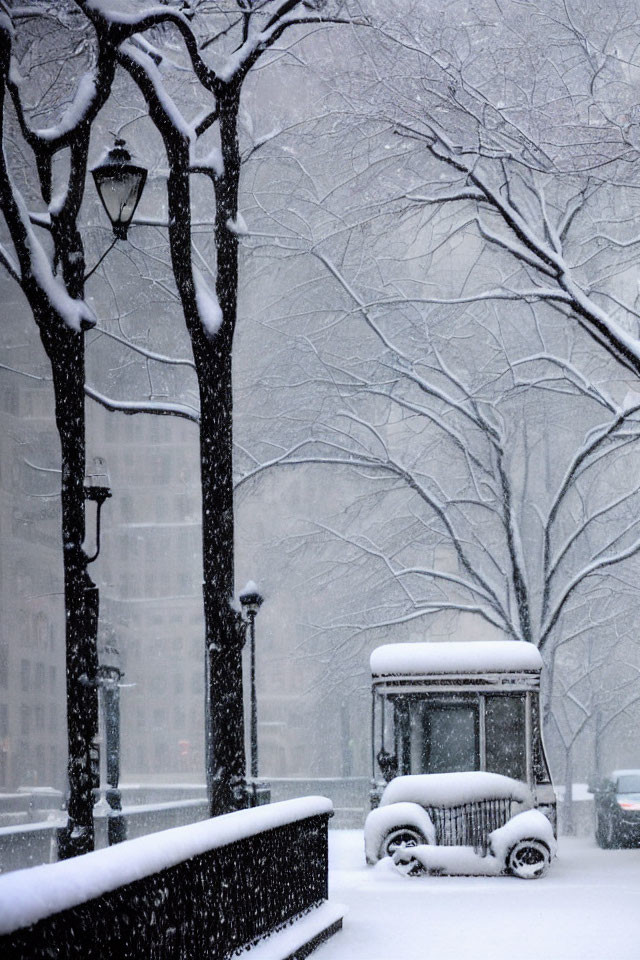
column 251, row 601
column 109, row 675
column 119, row 183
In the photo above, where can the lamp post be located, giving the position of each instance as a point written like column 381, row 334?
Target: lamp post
column 109, row 676
column 119, row 183
column 251, row 601
column 98, row 490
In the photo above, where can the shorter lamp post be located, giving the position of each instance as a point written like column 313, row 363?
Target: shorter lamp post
column 98, row 490
column 109, row 676
column 251, row 601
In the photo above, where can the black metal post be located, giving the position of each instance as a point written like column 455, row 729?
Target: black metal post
column 116, row 827
column 254, row 698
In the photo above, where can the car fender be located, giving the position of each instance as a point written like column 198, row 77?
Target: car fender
column 529, row 825
column 382, row 820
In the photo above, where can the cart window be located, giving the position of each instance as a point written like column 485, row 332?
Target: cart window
column 505, row 736
column 401, row 724
column 444, row 739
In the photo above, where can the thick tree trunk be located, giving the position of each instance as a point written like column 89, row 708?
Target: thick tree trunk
column 212, row 352
column 65, row 349
column 225, row 633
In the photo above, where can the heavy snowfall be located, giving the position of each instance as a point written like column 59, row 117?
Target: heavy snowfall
column 319, row 459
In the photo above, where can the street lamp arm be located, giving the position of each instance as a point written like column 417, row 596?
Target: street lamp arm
column 95, row 267
column 90, row 559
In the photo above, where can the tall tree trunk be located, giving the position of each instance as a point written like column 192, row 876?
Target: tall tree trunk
column 65, row 349
column 224, row 636
column 224, row 632
column 212, row 352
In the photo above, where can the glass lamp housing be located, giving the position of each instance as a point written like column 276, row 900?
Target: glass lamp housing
column 119, row 183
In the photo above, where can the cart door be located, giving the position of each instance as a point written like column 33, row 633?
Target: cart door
column 505, row 735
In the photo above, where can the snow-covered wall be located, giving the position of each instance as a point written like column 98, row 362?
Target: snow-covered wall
column 28, row 896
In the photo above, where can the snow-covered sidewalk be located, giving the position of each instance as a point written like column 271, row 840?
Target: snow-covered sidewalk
column 586, row 908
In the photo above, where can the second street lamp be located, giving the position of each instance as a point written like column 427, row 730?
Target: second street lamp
column 109, row 676
column 251, row 601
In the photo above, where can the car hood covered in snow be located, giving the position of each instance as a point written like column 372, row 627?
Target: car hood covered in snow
column 453, row 789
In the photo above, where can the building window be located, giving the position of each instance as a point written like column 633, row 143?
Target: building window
column 4, row 721
column 25, row 676
column 39, row 676
column 52, row 679
column 4, row 664
column 25, row 717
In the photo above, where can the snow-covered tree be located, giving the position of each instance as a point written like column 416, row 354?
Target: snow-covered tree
column 596, row 690
column 523, row 119
column 89, row 47
column 50, row 270
column 492, row 451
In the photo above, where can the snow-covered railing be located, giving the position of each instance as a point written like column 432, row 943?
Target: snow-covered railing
column 203, row 890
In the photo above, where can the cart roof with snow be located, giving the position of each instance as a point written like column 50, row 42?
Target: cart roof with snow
column 466, row 664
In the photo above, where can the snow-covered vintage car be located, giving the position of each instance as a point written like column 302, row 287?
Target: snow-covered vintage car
column 469, row 823
column 460, row 724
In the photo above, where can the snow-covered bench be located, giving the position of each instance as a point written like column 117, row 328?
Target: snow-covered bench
column 202, row 890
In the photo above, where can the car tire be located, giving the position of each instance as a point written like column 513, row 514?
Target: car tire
column 400, row 837
column 528, row 859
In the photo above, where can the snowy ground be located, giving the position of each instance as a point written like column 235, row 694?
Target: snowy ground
column 586, row 908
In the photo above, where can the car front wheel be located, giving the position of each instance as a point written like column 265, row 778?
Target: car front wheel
column 401, row 837
column 529, row 859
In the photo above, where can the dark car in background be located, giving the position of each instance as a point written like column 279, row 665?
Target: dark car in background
column 617, row 809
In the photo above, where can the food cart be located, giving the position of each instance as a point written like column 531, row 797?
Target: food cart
column 452, row 707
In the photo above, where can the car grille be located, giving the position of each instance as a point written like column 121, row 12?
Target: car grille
column 469, row 824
